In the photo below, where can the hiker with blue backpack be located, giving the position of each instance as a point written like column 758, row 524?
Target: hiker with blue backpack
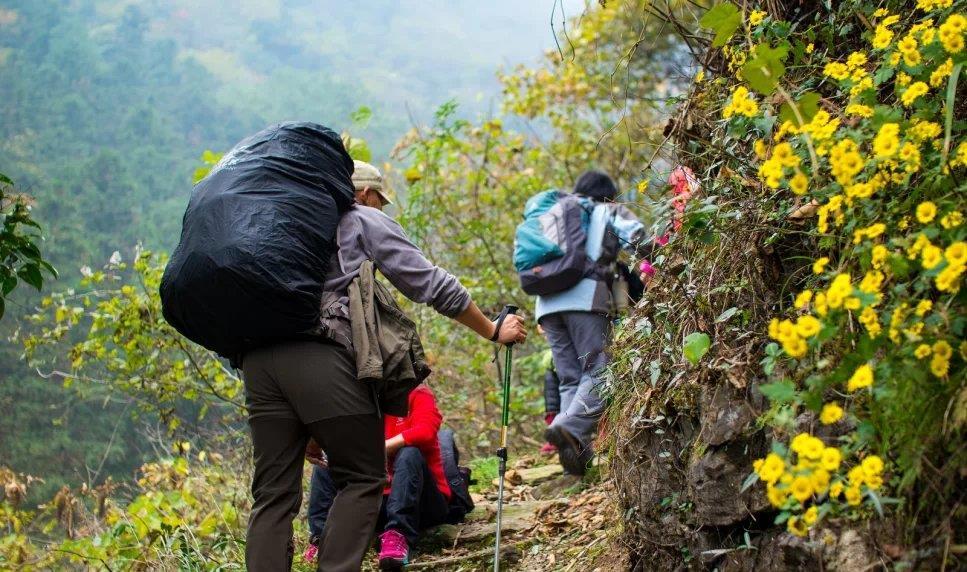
column 565, row 253
column 275, row 271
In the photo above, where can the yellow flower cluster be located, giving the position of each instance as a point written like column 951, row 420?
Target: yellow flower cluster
column 845, row 161
column 930, row 5
column 741, row 104
column 756, row 17
column 883, row 35
column 773, row 169
column 913, row 92
column 953, row 257
column 813, row 476
column 793, row 336
column 864, row 165
column 852, row 69
column 951, row 33
column 908, row 50
column 940, row 362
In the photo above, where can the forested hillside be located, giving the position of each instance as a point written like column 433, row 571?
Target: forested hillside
column 789, row 393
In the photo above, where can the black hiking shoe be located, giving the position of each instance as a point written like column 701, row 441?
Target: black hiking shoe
column 574, row 456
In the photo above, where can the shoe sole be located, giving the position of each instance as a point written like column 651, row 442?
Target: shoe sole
column 392, row 563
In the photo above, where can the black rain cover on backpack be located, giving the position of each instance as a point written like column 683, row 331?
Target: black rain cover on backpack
column 256, row 240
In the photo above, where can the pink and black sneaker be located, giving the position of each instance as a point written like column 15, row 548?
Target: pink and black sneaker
column 310, row 554
column 312, row 550
column 394, row 552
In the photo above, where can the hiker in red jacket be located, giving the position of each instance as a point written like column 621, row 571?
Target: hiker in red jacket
column 417, row 495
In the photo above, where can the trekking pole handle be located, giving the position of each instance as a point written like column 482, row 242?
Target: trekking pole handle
column 508, row 310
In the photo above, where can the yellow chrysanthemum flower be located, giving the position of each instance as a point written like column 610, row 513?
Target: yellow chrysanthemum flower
column 952, row 220
column 798, row 183
column 931, row 257
column 923, row 307
column 956, row 253
column 939, row 366
column 887, row 141
column 835, row 490
column 807, row 326
column 777, row 497
column 949, row 278
column 810, row 516
column 882, row 37
column 830, row 414
column 872, row 466
column 796, row 526
column 862, row 377
column 922, row 351
column 801, row 489
column 926, row 211
column 943, row 349
column 802, row 300
column 772, row 468
column 831, row 459
column 913, row 92
column 820, row 264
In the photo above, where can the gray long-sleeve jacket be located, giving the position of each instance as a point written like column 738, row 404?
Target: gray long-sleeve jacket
column 365, row 233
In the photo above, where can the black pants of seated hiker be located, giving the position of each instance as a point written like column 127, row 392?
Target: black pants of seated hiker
column 294, row 391
column 413, row 504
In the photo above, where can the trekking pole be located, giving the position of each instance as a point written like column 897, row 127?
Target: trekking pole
column 504, row 422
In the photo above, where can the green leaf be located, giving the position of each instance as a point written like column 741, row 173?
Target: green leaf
column 949, row 113
column 361, row 117
column 749, row 481
column 765, row 68
column 780, row 391
column 5, row 180
column 875, row 499
column 358, row 149
column 723, row 19
column 695, row 346
column 807, row 105
column 726, row 315
column 7, row 284
column 31, row 275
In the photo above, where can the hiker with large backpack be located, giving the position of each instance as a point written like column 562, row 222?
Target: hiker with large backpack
column 565, row 254
column 273, row 264
column 425, row 486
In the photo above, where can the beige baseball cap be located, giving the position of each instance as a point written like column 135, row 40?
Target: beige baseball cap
column 366, row 175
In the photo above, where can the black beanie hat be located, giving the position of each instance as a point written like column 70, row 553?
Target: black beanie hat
column 596, row 185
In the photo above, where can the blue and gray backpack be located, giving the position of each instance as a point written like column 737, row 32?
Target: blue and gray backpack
column 549, row 246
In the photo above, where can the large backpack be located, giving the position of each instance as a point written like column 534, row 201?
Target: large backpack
column 457, row 476
column 549, row 246
column 256, row 240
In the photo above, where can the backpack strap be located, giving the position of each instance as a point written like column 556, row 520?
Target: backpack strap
column 449, row 455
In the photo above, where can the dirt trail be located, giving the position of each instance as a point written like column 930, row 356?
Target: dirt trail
column 551, row 521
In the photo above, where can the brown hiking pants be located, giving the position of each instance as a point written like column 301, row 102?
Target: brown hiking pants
column 297, row 390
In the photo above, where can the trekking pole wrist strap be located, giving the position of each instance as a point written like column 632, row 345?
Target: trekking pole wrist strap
column 500, row 320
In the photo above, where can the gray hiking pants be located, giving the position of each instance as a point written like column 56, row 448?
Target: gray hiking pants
column 578, row 341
